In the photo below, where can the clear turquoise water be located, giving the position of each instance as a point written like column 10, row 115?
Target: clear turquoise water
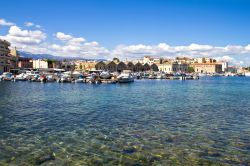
column 148, row 122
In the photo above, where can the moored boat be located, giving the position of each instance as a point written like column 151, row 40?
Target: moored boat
column 125, row 77
column 105, row 75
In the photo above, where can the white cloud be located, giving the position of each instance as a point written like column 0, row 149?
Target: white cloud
column 3, row 22
column 34, row 41
column 17, row 36
column 38, row 26
column 63, row 36
column 29, row 24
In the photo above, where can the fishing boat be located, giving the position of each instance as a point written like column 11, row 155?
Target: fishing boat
column 105, row 75
column 20, row 77
column 125, row 77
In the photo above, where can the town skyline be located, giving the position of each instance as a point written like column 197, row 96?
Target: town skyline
column 85, row 35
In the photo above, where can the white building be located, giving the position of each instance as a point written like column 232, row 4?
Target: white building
column 173, row 67
column 224, row 65
column 40, row 63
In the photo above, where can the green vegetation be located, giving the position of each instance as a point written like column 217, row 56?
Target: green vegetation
column 190, row 69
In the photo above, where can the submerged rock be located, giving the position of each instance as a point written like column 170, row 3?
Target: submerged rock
column 129, row 149
column 45, row 158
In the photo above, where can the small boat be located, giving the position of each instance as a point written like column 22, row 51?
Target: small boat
column 43, row 78
column 80, row 80
column 152, row 76
column 50, row 78
column 64, row 79
column 126, row 77
column 7, row 76
column 20, row 77
column 105, row 75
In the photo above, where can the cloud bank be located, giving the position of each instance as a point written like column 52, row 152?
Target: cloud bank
column 63, row 44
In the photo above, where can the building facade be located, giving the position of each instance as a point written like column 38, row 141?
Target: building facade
column 207, row 67
column 25, row 63
column 40, row 63
column 4, row 56
column 173, row 67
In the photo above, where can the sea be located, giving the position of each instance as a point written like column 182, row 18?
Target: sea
column 147, row 122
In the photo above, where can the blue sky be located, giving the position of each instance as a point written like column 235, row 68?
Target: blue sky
column 217, row 23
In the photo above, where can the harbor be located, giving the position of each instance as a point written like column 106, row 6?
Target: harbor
column 93, row 77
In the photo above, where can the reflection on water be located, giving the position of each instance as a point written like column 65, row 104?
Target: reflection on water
column 148, row 122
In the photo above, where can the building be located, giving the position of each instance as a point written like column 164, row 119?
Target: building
column 151, row 60
column 14, row 58
column 85, row 65
column 138, row 67
column 173, row 67
column 4, row 56
column 130, row 66
column 207, row 67
column 180, row 67
column 224, row 66
column 146, row 67
column 121, row 66
column 154, row 67
column 25, row 63
column 68, row 65
column 111, row 66
column 40, row 63
column 100, row 66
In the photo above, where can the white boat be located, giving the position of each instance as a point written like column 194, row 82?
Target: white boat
column 20, row 77
column 247, row 74
column 80, row 80
column 7, row 76
column 125, row 77
column 50, row 78
column 105, row 75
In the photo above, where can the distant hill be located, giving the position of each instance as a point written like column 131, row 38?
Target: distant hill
column 48, row 56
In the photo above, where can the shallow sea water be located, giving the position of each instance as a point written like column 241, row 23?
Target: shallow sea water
column 148, row 122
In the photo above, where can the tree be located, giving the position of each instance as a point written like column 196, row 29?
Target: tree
column 80, row 66
column 116, row 60
column 190, row 69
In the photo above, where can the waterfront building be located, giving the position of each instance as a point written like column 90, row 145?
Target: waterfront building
column 68, row 65
column 224, row 66
column 154, row 67
column 204, row 60
column 4, row 56
column 207, row 67
column 14, row 58
column 40, row 63
column 173, row 67
column 25, row 62
column 130, row 66
column 146, row 67
column 121, row 66
column 165, row 67
column 151, row 60
column 85, row 65
column 180, row 67
column 100, row 66
column 138, row 67
column 111, row 66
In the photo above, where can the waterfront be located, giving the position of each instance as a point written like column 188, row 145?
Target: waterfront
column 147, row 122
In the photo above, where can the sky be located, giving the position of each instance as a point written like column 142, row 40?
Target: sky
column 129, row 29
